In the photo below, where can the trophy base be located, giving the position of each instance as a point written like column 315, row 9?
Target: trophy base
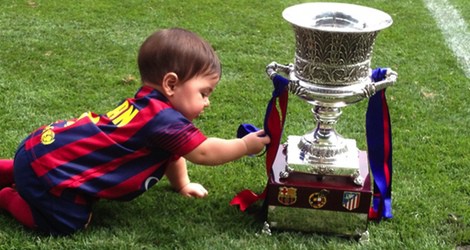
column 331, row 206
column 346, row 164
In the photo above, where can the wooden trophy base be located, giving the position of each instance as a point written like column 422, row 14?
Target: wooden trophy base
column 312, row 203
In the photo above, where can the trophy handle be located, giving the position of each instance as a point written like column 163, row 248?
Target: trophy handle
column 390, row 79
column 273, row 68
column 321, row 95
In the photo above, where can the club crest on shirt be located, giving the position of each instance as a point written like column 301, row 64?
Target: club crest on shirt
column 287, row 195
column 47, row 135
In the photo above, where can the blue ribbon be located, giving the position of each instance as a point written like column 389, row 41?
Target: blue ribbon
column 246, row 128
column 379, row 144
column 280, row 83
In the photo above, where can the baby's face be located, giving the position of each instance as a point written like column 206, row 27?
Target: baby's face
column 191, row 97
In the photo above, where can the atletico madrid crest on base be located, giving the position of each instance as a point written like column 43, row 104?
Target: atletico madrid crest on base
column 351, row 200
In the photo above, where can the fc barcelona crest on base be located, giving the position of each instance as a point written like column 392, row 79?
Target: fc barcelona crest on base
column 287, row 195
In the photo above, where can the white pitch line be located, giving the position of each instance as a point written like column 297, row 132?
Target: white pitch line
column 454, row 29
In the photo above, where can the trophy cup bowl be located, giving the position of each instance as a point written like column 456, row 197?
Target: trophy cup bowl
column 331, row 70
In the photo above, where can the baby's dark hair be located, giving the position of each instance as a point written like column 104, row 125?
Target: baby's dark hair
column 176, row 50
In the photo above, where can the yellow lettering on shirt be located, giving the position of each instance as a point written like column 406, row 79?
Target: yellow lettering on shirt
column 94, row 118
column 123, row 114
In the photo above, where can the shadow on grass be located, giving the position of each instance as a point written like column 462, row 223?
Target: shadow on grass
column 163, row 218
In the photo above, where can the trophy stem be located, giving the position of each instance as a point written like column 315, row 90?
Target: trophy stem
column 324, row 144
column 323, row 151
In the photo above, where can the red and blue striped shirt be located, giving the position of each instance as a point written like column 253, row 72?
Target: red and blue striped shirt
column 117, row 155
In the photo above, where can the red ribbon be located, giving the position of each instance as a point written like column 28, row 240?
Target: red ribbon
column 273, row 126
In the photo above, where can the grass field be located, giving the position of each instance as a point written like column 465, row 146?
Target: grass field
column 61, row 58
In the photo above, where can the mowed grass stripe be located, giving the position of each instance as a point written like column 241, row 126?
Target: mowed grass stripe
column 455, row 30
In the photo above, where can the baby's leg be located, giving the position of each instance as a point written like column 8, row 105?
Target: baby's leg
column 6, row 172
column 11, row 201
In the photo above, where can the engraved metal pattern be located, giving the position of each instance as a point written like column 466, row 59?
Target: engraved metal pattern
column 332, row 58
column 342, row 96
column 317, row 153
column 322, row 170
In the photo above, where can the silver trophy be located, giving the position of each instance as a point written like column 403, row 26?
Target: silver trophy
column 334, row 43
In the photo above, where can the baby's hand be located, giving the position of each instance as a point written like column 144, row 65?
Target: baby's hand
column 256, row 141
column 194, row 190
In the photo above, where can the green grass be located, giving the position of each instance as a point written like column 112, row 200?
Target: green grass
column 61, row 58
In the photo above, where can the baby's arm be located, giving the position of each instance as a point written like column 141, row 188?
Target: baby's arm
column 216, row 151
column 177, row 174
column 213, row 151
